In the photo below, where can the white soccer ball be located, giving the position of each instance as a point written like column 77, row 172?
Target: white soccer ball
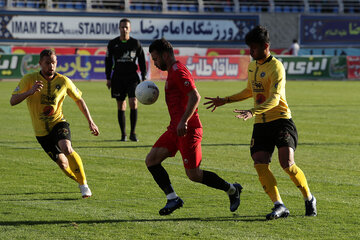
column 147, row 92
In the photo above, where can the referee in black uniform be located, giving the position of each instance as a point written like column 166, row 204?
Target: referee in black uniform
column 122, row 78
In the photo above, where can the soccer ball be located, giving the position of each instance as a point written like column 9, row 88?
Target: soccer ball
column 147, row 92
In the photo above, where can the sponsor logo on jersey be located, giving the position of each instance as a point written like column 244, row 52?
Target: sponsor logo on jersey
column 58, row 86
column 262, row 74
column 187, row 83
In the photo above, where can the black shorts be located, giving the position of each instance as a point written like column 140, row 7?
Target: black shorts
column 124, row 86
column 50, row 142
column 279, row 133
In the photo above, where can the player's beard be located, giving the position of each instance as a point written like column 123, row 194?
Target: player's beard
column 49, row 73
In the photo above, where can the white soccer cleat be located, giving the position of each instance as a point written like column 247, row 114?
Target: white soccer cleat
column 85, row 191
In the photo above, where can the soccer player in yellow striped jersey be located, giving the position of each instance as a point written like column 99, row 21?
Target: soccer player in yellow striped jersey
column 273, row 123
column 45, row 92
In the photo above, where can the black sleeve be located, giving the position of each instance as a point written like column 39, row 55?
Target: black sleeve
column 108, row 62
column 141, row 61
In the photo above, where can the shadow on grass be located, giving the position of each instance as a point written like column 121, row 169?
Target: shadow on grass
column 234, row 218
column 19, row 199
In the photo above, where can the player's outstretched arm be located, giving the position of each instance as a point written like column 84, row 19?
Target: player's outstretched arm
column 214, row 102
column 84, row 109
column 18, row 98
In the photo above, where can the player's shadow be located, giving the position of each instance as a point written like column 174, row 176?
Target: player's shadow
column 149, row 146
column 234, row 218
column 19, row 199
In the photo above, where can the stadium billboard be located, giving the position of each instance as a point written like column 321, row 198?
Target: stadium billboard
column 329, row 30
column 315, row 67
column 61, row 27
column 353, row 65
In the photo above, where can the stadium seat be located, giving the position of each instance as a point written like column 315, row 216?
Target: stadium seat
column 278, row 9
column 244, row 8
column 183, row 8
column 286, row 9
column 253, row 9
column 173, row 7
column 69, row 5
column 228, row 9
column 147, row 7
column 295, row 9
column 80, row 5
column 2, row 3
column 193, row 8
column 138, row 7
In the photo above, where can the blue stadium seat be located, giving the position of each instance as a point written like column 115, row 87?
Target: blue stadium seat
column 20, row 4
column 183, row 8
column 69, row 5
column 193, row 8
column 253, row 9
column 147, row 7
column 286, row 9
column 2, row 3
column 31, row 5
column 244, row 8
column 173, row 8
column 278, row 9
column 138, row 7
column 228, row 9
column 295, row 9
column 80, row 5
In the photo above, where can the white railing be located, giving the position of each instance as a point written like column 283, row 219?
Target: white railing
column 188, row 6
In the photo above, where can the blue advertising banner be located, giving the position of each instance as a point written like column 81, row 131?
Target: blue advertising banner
column 330, row 30
column 99, row 28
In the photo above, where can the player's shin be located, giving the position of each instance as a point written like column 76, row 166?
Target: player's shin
column 69, row 173
column 77, row 167
column 298, row 177
column 268, row 182
column 161, row 177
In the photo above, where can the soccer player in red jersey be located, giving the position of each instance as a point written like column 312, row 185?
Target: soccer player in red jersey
column 184, row 132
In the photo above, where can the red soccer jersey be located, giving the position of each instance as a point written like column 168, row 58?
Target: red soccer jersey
column 178, row 84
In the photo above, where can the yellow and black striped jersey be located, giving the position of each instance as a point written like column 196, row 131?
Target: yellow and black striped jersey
column 266, row 84
column 45, row 107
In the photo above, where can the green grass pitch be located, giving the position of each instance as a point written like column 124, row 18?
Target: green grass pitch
column 37, row 201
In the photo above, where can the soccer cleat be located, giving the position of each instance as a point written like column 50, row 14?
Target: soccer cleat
column 310, row 206
column 279, row 211
column 171, row 206
column 123, row 138
column 133, row 137
column 235, row 198
column 85, row 191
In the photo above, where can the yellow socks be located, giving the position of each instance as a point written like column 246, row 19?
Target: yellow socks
column 298, row 177
column 77, row 167
column 268, row 181
column 69, row 173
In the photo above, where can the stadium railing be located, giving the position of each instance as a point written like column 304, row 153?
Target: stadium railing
column 189, row 6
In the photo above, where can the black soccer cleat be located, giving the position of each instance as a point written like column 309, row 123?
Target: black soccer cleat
column 123, row 138
column 133, row 137
column 235, row 198
column 279, row 211
column 171, row 206
column 310, row 206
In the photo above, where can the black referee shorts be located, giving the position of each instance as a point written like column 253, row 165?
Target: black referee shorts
column 279, row 133
column 50, row 142
column 122, row 86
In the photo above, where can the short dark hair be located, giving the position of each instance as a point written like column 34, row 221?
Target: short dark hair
column 161, row 45
column 124, row 20
column 259, row 35
column 47, row 53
